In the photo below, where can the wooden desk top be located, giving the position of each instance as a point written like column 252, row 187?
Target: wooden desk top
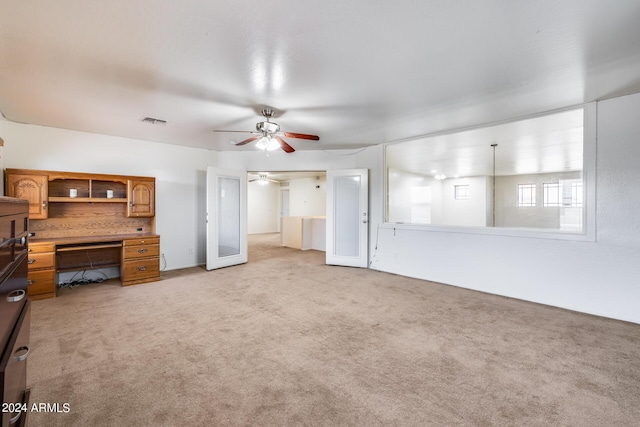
column 92, row 239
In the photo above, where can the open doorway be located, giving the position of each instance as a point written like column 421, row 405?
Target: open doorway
column 291, row 204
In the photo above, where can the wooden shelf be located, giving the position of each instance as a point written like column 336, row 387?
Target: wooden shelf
column 129, row 209
column 86, row 200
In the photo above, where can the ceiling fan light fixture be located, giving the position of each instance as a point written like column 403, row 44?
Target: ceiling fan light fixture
column 267, row 143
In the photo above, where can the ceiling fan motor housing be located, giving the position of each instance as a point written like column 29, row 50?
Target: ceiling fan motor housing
column 267, row 127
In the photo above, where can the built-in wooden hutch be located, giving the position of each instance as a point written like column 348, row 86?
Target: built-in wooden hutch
column 81, row 221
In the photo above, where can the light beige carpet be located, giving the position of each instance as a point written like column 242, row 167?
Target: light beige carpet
column 288, row 341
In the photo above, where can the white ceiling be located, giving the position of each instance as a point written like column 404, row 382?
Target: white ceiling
column 546, row 144
column 355, row 72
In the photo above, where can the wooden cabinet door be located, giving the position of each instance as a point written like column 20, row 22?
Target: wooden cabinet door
column 34, row 188
column 141, row 198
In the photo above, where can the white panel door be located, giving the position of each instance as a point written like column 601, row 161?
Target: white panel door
column 348, row 217
column 284, row 211
column 226, row 217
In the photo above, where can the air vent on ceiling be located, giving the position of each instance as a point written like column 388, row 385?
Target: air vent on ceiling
column 154, row 121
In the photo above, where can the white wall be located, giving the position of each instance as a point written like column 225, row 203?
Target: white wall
column 599, row 277
column 301, row 160
column 443, row 209
column 471, row 212
column 369, row 158
column 401, row 208
column 263, row 202
column 180, row 176
column 508, row 214
column 305, row 199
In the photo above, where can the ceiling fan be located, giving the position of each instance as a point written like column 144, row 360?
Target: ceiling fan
column 263, row 179
column 269, row 135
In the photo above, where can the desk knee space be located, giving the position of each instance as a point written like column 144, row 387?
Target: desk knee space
column 88, row 256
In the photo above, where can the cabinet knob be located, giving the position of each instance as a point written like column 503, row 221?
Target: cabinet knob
column 21, row 353
column 141, row 251
column 31, row 261
column 142, row 268
column 16, row 295
column 30, row 282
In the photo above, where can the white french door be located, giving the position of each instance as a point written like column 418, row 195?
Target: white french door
column 348, row 217
column 226, row 217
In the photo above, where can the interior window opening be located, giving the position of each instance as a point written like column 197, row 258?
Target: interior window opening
column 526, row 174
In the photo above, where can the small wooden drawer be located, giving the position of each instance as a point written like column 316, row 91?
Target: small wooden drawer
column 42, row 283
column 141, row 270
column 39, row 247
column 142, row 241
column 146, row 251
column 41, row 260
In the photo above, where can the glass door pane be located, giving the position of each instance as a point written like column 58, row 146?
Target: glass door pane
column 347, row 209
column 228, row 216
column 347, row 217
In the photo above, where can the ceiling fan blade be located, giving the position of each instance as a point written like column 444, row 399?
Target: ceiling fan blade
column 301, row 136
column 269, row 180
column 283, row 144
column 248, row 140
column 237, row 131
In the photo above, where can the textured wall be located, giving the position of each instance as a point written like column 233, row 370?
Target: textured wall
column 596, row 275
column 180, row 176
